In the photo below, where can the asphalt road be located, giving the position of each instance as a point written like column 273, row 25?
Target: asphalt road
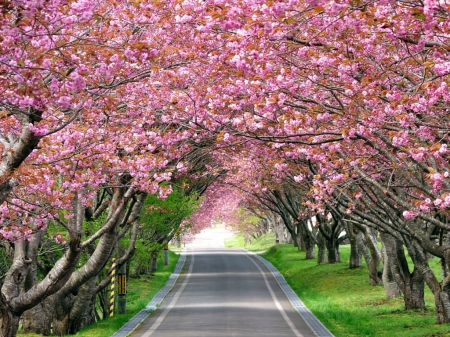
column 223, row 293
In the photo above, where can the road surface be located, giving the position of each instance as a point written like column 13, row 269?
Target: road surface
column 223, row 293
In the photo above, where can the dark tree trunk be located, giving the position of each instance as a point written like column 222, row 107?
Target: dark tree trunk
column 91, row 315
column 415, row 289
column 321, row 245
column 355, row 252
column 16, row 300
column 301, row 235
column 330, row 230
column 391, row 287
column 308, row 239
column 310, row 251
column 375, row 276
column 61, row 316
column 9, row 322
column 362, row 246
column 81, row 306
column 38, row 320
column 102, row 297
column 411, row 284
column 355, row 256
column 442, row 304
column 154, row 262
column 333, row 251
column 441, row 290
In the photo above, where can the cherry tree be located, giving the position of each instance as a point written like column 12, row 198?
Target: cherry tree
column 346, row 102
column 357, row 88
column 76, row 118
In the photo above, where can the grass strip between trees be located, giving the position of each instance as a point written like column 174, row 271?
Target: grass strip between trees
column 140, row 293
column 343, row 299
column 263, row 242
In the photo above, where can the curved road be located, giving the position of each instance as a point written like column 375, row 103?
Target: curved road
column 223, row 293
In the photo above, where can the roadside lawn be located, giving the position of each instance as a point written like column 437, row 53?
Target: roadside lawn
column 344, row 300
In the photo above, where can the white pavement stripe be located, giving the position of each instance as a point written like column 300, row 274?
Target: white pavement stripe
column 136, row 320
column 275, row 300
column 157, row 323
column 316, row 326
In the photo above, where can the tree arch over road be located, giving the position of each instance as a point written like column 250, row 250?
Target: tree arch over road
column 338, row 110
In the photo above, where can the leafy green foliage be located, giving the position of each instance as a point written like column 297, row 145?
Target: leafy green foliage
column 162, row 219
column 245, row 223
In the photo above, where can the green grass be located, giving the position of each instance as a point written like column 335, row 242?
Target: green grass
column 346, row 303
column 140, row 292
column 264, row 242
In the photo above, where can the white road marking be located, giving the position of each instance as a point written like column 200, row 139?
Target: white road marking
column 157, row 323
column 160, row 319
column 275, row 300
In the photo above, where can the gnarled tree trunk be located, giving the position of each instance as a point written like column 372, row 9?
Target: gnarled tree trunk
column 9, row 320
column 391, row 288
column 308, row 238
column 354, row 234
column 321, row 245
column 411, row 284
column 38, row 318
column 330, row 231
column 375, row 275
column 441, row 290
column 76, row 296
column 15, row 301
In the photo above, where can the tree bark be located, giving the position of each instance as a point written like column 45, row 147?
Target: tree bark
column 80, row 306
column 38, row 319
column 333, row 251
column 411, row 284
column 308, row 238
column 19, row 149
column 391, row 288
column 441, row 290
column 330, row 231
column 154, row 261
column 9, row 320
column 16, row 301
column 321, row 245
column 355, row 252
column 61, row 317
column 71, row 309
column 375, row 276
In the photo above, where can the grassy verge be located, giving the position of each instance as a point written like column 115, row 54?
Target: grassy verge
column 140, row 292
column 346, row 303
column 264, row 242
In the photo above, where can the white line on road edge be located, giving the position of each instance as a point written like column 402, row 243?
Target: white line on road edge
column 157, row 323
column 316, row 326
column 137, row 319
column 275, row 300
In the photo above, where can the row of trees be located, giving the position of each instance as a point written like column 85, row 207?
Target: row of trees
column 329, row 110
column 335, row 117
column 87, row 142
